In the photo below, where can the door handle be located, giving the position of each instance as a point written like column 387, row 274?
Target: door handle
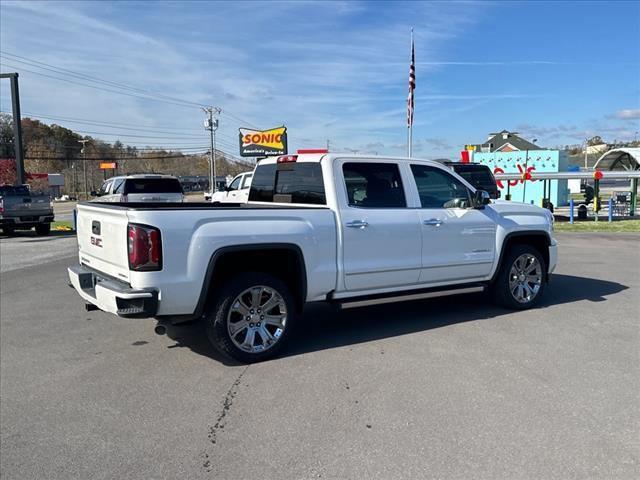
column 358, row 224
column 435, row 222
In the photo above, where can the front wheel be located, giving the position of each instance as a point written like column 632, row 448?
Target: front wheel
column 521, row 279
column 251, row 317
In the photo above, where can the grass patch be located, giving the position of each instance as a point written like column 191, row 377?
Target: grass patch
column 601, row 225
column 62, row 226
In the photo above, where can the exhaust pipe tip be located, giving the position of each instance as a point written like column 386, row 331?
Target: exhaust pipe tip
column 160, row 329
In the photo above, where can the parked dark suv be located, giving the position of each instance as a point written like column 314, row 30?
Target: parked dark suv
column 480, row 176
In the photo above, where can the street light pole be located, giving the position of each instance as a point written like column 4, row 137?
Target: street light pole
column 211, row 124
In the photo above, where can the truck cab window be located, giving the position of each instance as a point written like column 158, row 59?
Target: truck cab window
column 438, row 189
column 374, row 185
column 288, row 183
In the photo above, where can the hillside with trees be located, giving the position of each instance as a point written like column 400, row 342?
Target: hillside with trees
column 56, row 149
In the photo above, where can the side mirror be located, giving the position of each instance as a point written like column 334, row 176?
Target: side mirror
column 481, row 198
column 93, row 193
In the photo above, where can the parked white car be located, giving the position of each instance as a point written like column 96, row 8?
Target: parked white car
column 349, row 230
column 236, row 192
column 141, row 188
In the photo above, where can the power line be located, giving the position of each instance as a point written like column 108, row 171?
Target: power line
column 92, row 86
column 150, row 95
column 113, row 125
column 101, row 123
column 83, row 76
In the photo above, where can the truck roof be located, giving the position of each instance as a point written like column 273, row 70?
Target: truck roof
column 144, row 175
column 328, row 157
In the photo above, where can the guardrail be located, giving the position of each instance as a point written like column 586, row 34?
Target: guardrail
column 596, row 176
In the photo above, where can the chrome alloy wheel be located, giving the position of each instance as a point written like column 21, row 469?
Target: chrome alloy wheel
column 525, row 278
column 257, row 319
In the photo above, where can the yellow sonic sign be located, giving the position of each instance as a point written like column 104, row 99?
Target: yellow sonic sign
column 260, row 143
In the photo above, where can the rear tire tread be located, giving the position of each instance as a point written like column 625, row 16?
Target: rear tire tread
column 216, row 316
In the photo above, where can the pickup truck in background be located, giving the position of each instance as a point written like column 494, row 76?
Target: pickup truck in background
column 236, row 192
column 21, row 209
column 349, row 230
column 478, row 175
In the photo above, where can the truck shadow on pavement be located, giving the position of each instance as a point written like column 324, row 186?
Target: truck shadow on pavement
column 322, row 327
column 33, row 236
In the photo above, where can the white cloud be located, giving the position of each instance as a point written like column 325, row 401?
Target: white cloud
column 628, row 114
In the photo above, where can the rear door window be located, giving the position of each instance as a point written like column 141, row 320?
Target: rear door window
column 288, row 183
column 374, row 185
column 152, row 185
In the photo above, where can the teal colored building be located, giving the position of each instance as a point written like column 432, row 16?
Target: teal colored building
column 532, row 161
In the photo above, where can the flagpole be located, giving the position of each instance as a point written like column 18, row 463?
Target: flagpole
column 411, row 93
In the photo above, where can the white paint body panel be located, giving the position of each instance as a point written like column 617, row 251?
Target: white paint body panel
column 395, row 252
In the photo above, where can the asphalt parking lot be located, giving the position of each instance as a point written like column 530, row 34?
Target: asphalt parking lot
column 451, row 388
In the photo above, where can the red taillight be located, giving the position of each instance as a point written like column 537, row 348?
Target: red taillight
column 287, row 159
column 145, row 248
column 1, row 205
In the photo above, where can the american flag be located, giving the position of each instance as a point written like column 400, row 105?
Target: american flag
column 412, row 84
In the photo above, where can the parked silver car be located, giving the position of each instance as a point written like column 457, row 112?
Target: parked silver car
column 141, row 188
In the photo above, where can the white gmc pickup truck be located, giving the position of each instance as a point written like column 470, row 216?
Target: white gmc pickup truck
column 351, row 230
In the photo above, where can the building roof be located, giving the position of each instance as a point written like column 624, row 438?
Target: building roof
column 497, row 141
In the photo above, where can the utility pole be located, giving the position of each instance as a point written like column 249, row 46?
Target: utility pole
column 211, row 124
column 84, row 166
column 17, row 127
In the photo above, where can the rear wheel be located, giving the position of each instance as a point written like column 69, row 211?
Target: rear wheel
column 43, row 228
column 521, row 279
column 8, row 230
column 251, row 317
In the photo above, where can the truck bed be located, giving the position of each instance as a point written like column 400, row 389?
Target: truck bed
column 191, row 233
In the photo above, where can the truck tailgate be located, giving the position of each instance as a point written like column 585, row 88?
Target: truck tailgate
column 102, row 240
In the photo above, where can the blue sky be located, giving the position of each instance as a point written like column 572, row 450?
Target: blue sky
column 556, row 71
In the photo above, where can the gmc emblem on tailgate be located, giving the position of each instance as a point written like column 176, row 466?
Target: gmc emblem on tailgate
column 96, row 241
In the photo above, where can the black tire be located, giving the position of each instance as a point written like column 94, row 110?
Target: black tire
column 8, row 230
column 43, row 228
column 500, row 289
column 218, row 317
